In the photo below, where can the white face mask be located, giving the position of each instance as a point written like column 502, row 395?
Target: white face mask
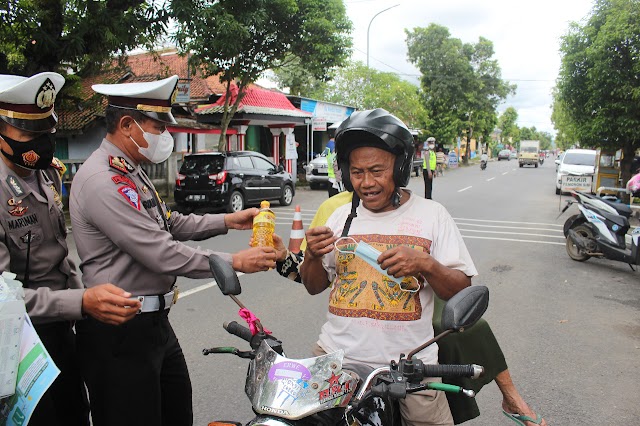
column 159, row 146
column 431, row 147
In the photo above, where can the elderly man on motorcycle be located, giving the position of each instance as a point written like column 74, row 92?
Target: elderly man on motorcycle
column 385, row 256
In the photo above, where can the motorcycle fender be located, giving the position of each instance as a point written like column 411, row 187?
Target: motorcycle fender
column 573, row 221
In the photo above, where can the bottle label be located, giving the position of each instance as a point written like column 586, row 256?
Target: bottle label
column 265, row 219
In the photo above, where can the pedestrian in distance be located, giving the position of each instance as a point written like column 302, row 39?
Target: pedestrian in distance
column 33, row 242
column 429, row 162
column 136, row 374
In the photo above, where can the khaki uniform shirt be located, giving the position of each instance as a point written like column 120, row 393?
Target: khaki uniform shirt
column 126, row 235
column 54, row 291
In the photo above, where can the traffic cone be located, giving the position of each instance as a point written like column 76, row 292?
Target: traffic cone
column 297, row 232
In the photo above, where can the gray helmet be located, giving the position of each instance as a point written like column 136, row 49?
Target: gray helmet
column 379, row 129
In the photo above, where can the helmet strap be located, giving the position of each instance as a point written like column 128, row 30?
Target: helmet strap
column 395, row 198
column 354, row 206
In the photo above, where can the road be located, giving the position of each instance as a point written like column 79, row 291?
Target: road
column 570, row 331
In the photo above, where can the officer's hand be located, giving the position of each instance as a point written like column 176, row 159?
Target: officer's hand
column 255, row 259
column 241, row 220
column 109, row 304
column 319, row 241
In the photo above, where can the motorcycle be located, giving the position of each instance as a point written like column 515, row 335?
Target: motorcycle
column 319, row 391
column 483, row 165
column 600, row 230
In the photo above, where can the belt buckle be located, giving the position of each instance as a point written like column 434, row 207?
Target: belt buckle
column 176, row 294
column 141, row 300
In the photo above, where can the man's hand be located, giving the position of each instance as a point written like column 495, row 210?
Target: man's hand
column 255, row 259
column 403, row 261
column 241, row 220
column 319, row 242
column 281, row 250
column 109, row 304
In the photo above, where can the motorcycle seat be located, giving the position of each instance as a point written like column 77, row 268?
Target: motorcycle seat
column 622, row 209
column 619, row 220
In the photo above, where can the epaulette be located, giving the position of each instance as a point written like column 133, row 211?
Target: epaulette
column 59, row 166
column 120, row 164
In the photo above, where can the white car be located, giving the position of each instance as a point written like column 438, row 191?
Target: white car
column 318, row 172
column 578, row 162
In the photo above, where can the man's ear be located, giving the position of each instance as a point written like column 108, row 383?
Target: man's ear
column 126, row 125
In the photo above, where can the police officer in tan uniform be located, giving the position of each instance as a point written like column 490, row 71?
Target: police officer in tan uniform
column 33, row 245
column 137, row 374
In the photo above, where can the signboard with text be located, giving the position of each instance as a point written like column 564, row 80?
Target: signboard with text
column 319, row 124
column 576, row 183
column 453, row 159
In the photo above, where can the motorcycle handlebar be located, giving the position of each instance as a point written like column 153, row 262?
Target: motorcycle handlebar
column 238, row 330
column 471, row 370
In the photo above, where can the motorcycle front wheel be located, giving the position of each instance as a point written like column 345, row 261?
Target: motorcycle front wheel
column 575, row 252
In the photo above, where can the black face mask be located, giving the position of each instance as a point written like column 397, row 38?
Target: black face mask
column 34, row 154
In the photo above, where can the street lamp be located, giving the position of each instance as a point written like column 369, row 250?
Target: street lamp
column 369, row 27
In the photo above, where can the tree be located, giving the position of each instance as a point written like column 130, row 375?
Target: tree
column 240, row 39
column 461, row 83
column 598, row 87
column 366, row 88
column 56, row 35
column 507, row 123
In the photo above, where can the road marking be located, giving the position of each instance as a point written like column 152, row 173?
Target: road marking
column 490, row 179
column 508, row 227
column 464, row 189
column 514, row 233
column 514, row 240
column 202, row 287
column 504, row 173
column 506, row 221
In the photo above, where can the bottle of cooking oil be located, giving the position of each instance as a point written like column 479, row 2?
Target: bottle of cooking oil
column 264, row 225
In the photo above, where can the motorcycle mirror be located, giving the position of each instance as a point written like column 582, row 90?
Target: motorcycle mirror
column 225, row 276
column 465, row 308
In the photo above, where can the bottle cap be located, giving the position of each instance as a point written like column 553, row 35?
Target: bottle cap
column 265, row 204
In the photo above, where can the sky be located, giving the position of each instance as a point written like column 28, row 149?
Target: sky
column 525, row 34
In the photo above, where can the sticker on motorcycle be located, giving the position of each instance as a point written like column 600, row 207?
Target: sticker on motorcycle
column 288, row 370
column 335, row 389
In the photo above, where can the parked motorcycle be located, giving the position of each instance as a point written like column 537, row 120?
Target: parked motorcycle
column 318, row 391
column 600, row 230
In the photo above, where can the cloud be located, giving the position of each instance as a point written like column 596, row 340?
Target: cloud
column 526, row 38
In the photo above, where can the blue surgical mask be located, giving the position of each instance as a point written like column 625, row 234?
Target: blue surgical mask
column 370, row 254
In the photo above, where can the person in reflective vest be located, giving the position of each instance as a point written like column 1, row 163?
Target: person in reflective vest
column 429, row 170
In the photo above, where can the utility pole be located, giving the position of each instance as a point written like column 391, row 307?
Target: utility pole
column 369, row 27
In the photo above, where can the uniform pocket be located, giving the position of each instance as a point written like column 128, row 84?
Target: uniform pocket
column 24, row 235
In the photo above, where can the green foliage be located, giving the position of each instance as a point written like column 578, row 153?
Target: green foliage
column 366, row 88
column 240, row 39
column 461, row 82
column 56, row 35
column 598, row 90
column 507, row 123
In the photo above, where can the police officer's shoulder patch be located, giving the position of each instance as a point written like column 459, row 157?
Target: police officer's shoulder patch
column 131, row 195
column 119, row 179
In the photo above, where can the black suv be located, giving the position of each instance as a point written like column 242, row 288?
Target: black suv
column 231, row 180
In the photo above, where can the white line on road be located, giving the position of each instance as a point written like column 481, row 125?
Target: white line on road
column 490, row 179
column 202, row 287
column 514, row 233
column 464, row 189
column 504, row 173
column 508, row 227
column 506, row 221
column 513, row 239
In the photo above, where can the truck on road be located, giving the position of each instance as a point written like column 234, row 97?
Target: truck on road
column 529, row 153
